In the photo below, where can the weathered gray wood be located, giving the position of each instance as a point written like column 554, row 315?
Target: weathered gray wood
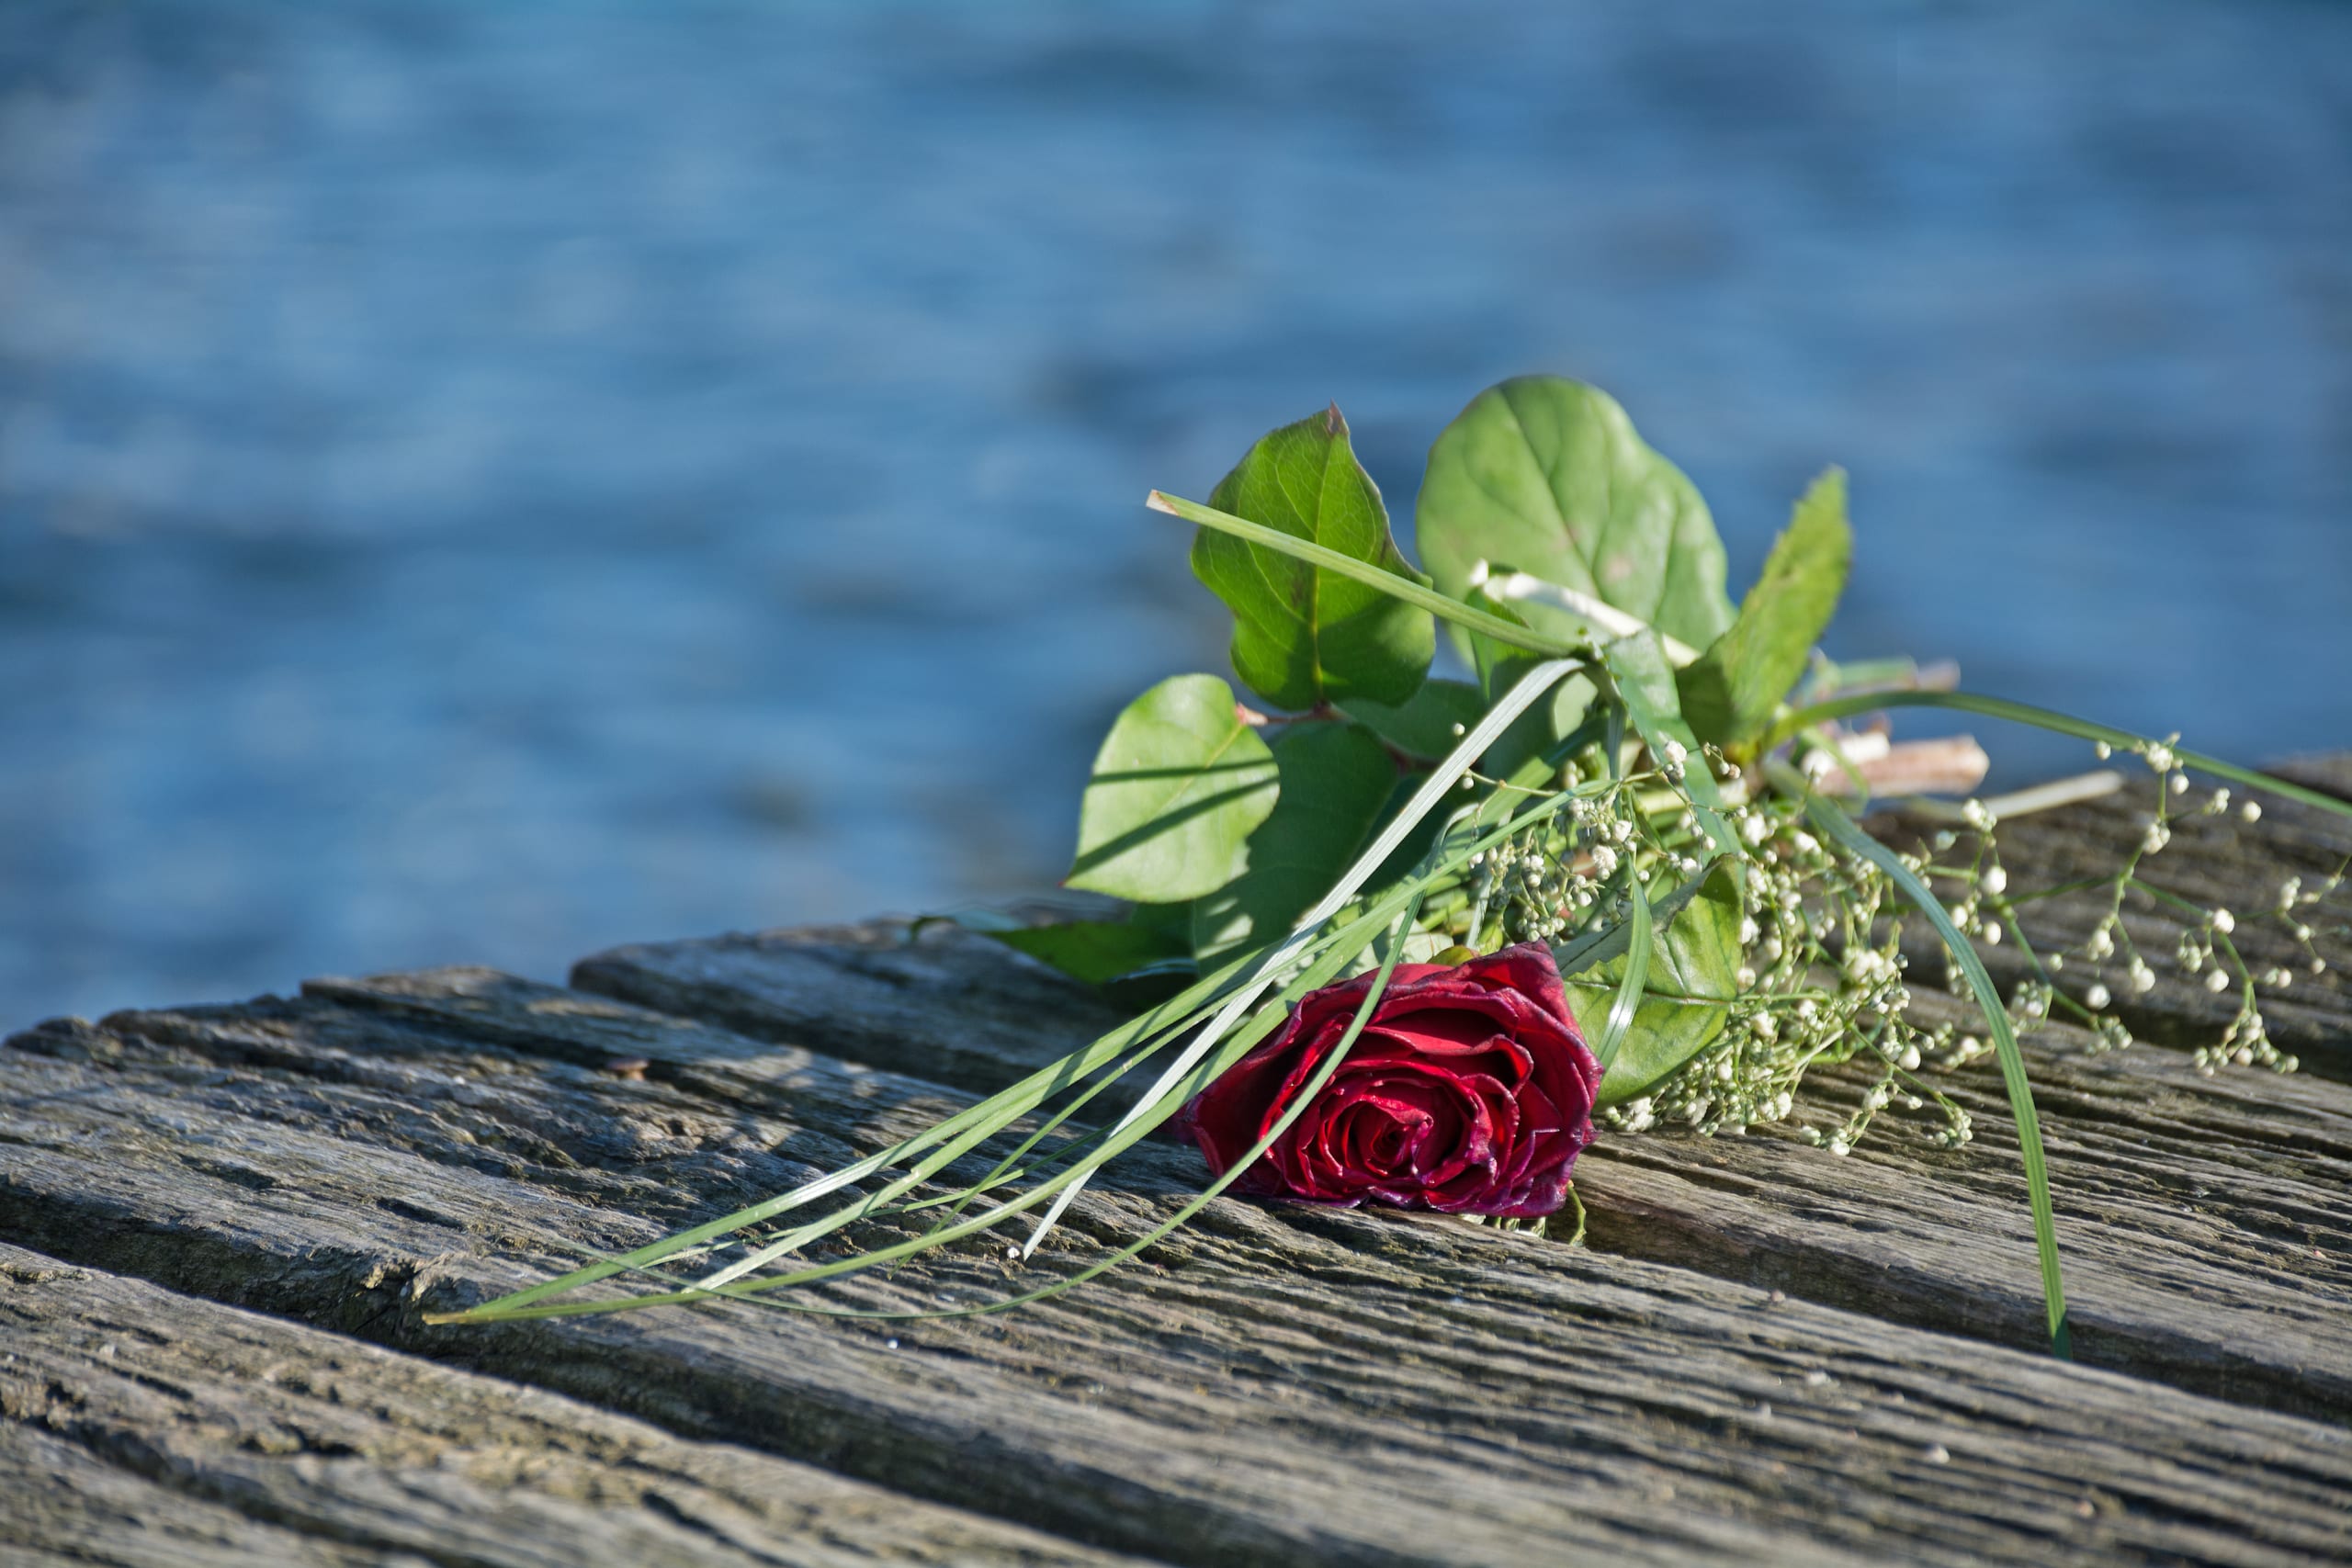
column 2207, row 1222
column 138, row 1426
column 1277, row 1386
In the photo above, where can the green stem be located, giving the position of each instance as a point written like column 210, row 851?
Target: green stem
column 2042, row 719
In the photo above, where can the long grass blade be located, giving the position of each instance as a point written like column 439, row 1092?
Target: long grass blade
column 2044, row 718
column 1628, row 1000
column 950, row 1138
column 1509, row 633
column 1832, row 821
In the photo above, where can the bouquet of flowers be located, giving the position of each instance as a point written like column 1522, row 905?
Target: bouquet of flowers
column 1407, row 938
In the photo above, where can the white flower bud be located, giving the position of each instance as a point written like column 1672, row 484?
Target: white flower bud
column 1995, row 881
column 2251, row 811
column 2218, row 980
column 2097, row 998
column 2225, row 923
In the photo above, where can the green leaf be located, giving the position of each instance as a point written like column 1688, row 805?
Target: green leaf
column 1548, row 475
column 1335, row 779
column 1303, row 635
column 1730, row 693
column 1096, row 952
column 1425, row 725
column 1178, row 788
column 1692, row 980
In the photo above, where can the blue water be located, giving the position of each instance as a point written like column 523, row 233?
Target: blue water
column 479, row 483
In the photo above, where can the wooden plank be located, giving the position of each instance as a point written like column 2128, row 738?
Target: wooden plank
column 2206, row 1223
column 140, row 1426
column 1278, row 1386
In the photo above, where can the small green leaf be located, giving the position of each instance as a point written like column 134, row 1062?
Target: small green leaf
column 1730, row 693
column 1431, row 722
column 1548, row 475
column 1096, row 952
column 1335, row 779
column 1178, row 788
column 1692, row 980
column 1303, row 635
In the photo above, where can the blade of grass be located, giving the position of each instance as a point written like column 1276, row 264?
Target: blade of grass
column 1833, row 822
column 1527, row 588
column 1389, row 582
column 952, row 1136
column 2044, row 718
column 1628, row 999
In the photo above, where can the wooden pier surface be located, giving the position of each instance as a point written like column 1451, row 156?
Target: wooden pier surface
column 220, row 1227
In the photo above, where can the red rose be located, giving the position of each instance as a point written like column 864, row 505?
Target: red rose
column 1469, row 1092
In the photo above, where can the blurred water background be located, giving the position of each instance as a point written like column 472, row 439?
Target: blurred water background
column 478, row 482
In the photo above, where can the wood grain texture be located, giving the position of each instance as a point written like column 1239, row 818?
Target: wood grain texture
column 138, row 1426
column 1277, row 1386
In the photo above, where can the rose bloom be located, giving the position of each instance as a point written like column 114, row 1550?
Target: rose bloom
column 1469, row 1091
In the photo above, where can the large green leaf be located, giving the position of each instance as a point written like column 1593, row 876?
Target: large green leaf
column 1548, row 475
column 1335, row 779
column 1178, row 788
column 1693, row 965
column 1729, row 695
column 1430, row 723
column 1303, row 635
